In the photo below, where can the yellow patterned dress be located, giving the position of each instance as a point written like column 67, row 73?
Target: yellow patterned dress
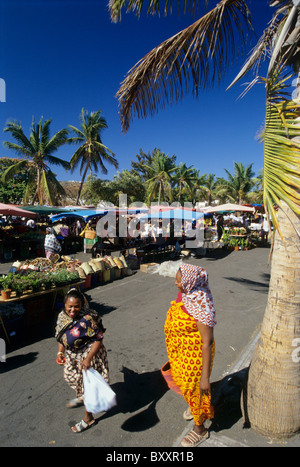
column 183, row 371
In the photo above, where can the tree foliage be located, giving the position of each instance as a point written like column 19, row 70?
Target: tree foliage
column 36, row 154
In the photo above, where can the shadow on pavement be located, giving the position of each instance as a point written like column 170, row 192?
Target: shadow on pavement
column 138, row 391
column 226, row 398
column 17, row 361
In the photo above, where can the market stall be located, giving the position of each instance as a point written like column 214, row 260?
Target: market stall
column 229, row 207
column 13, row 240
column 35, row 286
column 172, row 228
column 12, row 210
column 106, row 243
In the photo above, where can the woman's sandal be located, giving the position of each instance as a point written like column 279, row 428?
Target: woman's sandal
column 187, row 414
column 193, row 439
column 81, row 426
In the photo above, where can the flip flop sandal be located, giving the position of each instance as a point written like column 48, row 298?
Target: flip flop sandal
column 81, row 426
column 187, row 414
column 193, row 439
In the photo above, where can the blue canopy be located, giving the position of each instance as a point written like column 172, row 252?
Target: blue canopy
column 87, row 214
column 183, row 214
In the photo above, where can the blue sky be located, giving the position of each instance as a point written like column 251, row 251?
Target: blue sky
column 58, row 57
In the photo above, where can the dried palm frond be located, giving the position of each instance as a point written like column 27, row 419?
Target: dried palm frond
column 280, row 41
column 115, row 7
column 261, row 49
column 196, row 56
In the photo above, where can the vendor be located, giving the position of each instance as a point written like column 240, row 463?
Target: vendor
column 220, row 226
column 51, row 245
column 148, row 232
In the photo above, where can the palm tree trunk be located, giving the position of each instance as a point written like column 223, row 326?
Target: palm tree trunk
column 37, row 191
column 273, row 399
column 81, row 184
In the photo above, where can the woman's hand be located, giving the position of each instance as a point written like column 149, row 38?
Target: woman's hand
column 204, row 386
column 86, row 363
column 60, row 358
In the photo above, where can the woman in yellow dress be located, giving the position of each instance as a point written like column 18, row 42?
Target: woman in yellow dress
column 191, row 348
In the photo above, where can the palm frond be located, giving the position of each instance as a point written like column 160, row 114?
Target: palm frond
column 58, row 162
column 58, row 188
column 106, row 153
column 261, row 50
column 24, row 147
column 198, row 55
column 45, row 192
column 11, row 171
column 115, row 7
column 53, row 144
column 44, row 135
column 78, row 155
column 281, row 151
column 18, row 149
column 80, row 135
column 287, row 29
column 30, row 187
column 35, row 135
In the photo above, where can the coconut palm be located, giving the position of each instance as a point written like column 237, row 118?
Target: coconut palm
column 198, row 55
column 279, row 382
column 184, row 177
column 238, row 185
column 37, row 152
column 198, row 187
column 256, row 194
column 210, row 188
column 159, row 185
column 91, row 153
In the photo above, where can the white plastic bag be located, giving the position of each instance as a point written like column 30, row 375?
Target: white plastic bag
column 98, row 395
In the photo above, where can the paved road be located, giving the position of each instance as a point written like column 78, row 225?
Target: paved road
column 34, row 394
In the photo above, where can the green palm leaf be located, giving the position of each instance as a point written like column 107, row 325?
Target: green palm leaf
column 11, row 171
column 159, row 183
column 92, row 152
column 37, row 149
column 30, row 187
column 46, row 189
column 281, row 149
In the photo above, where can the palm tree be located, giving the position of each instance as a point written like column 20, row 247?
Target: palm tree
column 238, row 186
column 256, row 194
column 198, row 187
column 279, row 382
column 210, row 188
column 159, row 185
column 91, row 153
column 184, row 177
column 165, row 72
column 42, row 184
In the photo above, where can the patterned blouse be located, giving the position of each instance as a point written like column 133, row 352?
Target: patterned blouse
column 51, row 243
column 80, row 333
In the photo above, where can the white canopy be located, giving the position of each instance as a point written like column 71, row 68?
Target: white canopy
column 228, row 207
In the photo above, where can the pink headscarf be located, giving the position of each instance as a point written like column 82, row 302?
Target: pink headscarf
column 196, row 294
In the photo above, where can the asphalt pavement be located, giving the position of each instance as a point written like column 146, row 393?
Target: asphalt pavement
column 34, row 394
